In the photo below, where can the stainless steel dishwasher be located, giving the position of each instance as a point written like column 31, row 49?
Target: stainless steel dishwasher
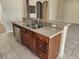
column 17, row 34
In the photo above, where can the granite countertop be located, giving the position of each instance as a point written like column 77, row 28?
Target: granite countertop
column 48, row 31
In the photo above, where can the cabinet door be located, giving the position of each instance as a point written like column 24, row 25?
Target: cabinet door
column 41, row 54
column 31, row 43
column 42, row 45
column 24, row 37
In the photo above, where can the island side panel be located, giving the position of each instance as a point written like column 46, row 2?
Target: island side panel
column 54, row 46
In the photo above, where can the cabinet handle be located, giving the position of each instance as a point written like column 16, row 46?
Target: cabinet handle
column 40, row 38
column 40, row 56
column 40, row 45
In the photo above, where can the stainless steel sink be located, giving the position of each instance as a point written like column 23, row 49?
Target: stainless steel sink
column 34, row 25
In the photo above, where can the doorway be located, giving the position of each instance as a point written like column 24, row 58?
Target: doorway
column 2, row 27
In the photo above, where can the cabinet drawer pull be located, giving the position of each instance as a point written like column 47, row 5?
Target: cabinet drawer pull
column 40, row 38
column 40, row 55
column 40, row 46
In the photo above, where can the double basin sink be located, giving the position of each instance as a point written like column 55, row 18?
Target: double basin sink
column 35, row 25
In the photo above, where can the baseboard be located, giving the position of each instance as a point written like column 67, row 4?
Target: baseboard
column 74, row 22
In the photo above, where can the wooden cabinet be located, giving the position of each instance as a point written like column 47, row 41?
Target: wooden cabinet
column 47, row 48
column 27, row 38
column 31, row 41
column 24, row 37
column 41, row 37
column 41, row 54
column 41, row 49
column 44, row 47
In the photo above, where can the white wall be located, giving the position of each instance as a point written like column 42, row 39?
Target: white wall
column 1, row 20
column 12, row 9
column 53, row 5
column 60, row 10
column 64, row 10
column 71, row 11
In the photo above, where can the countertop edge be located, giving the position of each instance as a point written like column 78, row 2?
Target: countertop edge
column 55, row 34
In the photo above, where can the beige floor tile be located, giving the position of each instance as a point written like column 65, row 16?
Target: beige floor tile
column 73, row 57
column 10, row 54
column 4, row 57
column 5, row 49
column 14, row 57
column 20, row 50
column 66, row 56
column 34, row 57
column 1, row 56
column 26, row 55
column 76, row 51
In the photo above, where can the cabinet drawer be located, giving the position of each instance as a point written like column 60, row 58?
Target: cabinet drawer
column 24, row 36
column 30, row 33
column 43, row 38
column 42, row 45
column 41, row 54
column 31, row 43
column 24, row 30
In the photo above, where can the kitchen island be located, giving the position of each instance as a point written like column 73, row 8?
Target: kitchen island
column 44, row 42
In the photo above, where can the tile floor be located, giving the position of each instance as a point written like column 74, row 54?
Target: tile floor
column 72, row 43
column 11, row 49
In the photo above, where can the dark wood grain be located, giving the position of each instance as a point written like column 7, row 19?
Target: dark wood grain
column 54, row 46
